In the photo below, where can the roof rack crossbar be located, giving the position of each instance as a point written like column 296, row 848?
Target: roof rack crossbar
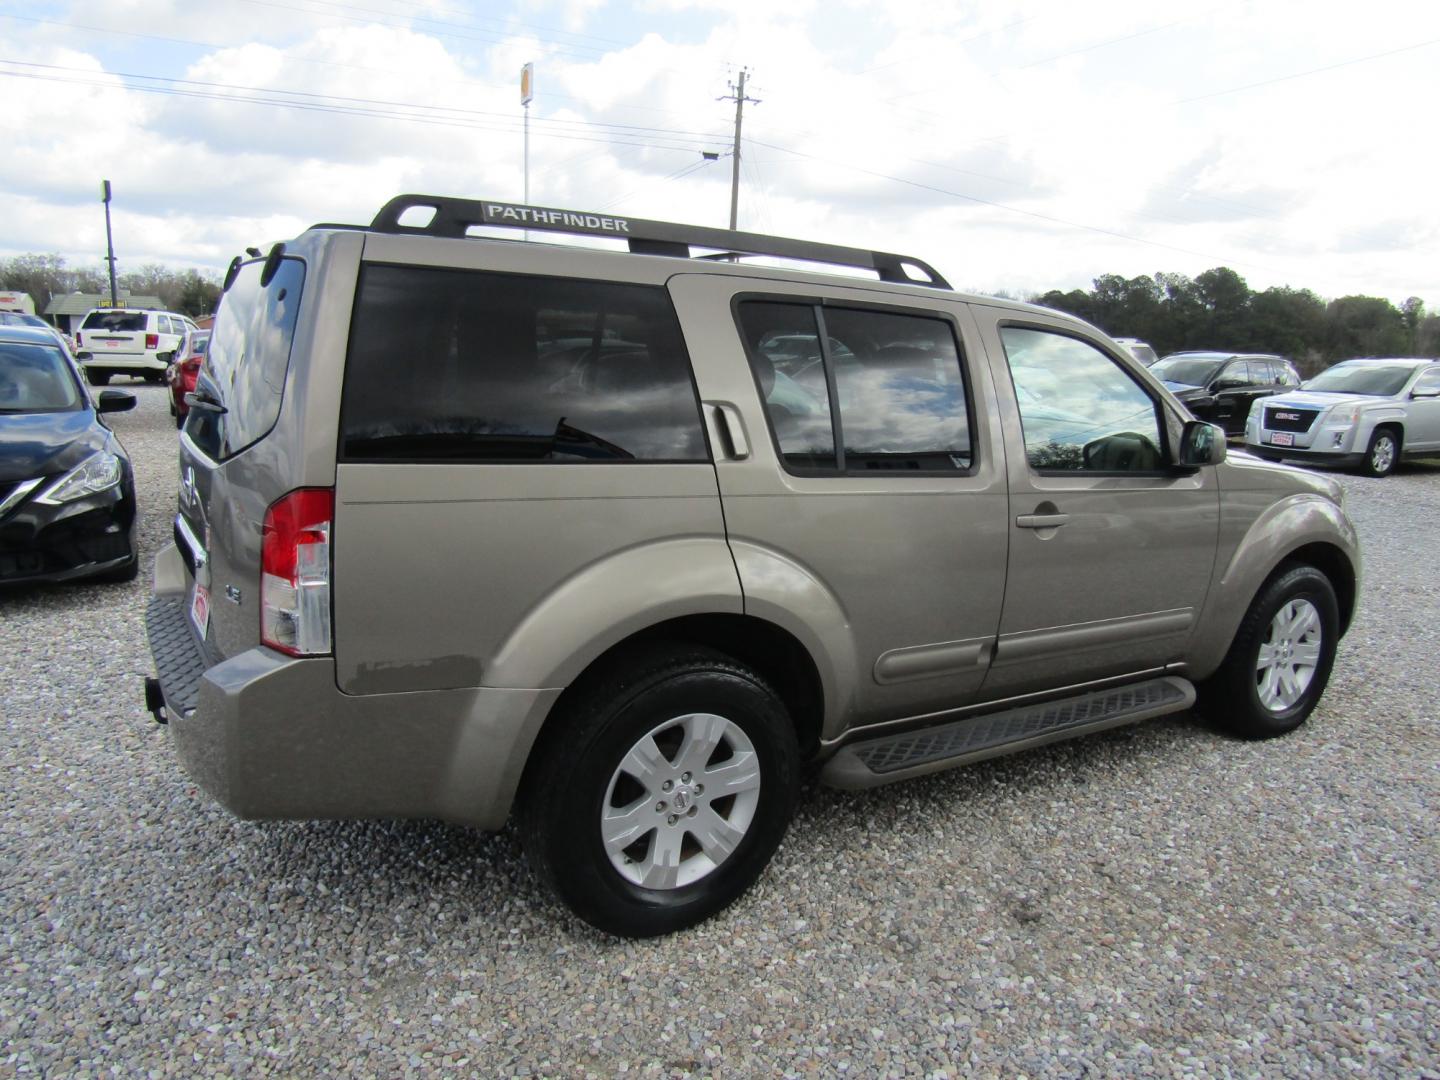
column 452, row 217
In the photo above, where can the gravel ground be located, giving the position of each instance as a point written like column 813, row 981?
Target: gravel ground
column 1154, row 901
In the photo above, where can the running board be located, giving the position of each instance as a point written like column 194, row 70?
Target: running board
column 888, row 758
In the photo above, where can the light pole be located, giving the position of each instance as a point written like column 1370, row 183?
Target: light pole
column 109, row 242
column 527, row 93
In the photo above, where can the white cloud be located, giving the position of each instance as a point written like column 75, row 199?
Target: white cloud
column 1017, row 146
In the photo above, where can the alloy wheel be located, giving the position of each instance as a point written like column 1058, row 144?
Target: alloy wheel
column 681, row 801
column 1288, row 655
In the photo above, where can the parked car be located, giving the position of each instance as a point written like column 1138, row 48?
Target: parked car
column 627, row 588
column 1221, row 387
column 181, row 373
column 20, row 318
column 67, row 493
column 1365, row 414
column 1141, row 350
column 122, row 341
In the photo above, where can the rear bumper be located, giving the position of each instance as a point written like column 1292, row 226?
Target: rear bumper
column 125, row 362
column 270, row 736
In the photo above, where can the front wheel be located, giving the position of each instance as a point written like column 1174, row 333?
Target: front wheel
column 1383, row 454
column 664, row 794
column 97, row 378
column 1280, row 660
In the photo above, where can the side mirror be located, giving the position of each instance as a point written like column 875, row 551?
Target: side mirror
column 1228, row 384
column 115, row 401
column 1425, row 393
column 1200, row 444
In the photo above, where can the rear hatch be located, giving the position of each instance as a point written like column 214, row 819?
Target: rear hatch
column 230, row 473
column 113, row 333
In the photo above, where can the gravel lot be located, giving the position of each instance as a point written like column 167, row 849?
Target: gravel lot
column 1160, row 900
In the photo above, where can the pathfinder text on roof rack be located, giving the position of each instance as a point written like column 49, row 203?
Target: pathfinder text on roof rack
column 534, row 215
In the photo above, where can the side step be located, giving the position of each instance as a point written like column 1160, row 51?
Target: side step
column 888, row 758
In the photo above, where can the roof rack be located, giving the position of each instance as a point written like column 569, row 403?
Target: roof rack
column 456, row 217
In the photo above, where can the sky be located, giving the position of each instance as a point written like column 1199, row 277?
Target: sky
column 1017, row 146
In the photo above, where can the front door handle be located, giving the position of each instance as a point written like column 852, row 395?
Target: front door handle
column 1041, row 521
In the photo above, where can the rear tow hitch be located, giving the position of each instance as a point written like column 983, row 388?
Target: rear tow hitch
column 155, row 700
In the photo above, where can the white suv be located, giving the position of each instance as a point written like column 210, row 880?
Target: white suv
column 126, row 341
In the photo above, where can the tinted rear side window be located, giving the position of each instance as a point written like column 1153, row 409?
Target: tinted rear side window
column 248, row 356
column 460, row 365
column 124, row 321
column 894, row 378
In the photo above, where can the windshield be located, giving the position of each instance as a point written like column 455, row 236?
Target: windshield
column 1381, row 380
column 36, row 378
column 130, row 321
column 1190, row 370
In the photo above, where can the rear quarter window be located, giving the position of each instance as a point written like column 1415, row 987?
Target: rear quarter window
column 247, row 358
column 476, row 366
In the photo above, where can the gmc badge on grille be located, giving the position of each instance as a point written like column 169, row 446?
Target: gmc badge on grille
column 1287, row 416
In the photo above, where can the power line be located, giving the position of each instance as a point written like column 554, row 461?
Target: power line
column 290, row 56
column 678, row 174
column 1052, row 219
column 361, row 105
column 599, row 136
column 1311, row 71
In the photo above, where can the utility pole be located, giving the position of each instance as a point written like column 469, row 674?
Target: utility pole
column 109, row 242
column 737, row 95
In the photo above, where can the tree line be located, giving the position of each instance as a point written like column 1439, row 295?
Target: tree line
column 44, row 276
column 1218, row 310
column 1213, row 310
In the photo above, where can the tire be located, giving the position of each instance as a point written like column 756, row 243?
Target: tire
column 634, row 740
column 97, row 378
column 1383, row 454
column 179, row 420
column 1295, row 612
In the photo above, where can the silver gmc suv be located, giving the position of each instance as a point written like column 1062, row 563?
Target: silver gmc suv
column 620, row 541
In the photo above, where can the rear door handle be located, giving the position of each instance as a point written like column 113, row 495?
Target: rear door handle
column 732, row 430
column 1041, row 521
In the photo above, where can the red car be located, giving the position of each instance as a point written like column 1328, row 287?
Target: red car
column 181, row 375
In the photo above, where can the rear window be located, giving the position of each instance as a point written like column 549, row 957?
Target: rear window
column 474, row 366
column 115, row 321
column 246, row 361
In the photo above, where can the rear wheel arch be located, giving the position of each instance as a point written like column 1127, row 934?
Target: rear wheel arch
column 772, row 652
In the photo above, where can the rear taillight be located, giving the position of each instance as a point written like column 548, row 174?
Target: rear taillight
column 295, row 573
column 77, row 339
column 152, row 341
